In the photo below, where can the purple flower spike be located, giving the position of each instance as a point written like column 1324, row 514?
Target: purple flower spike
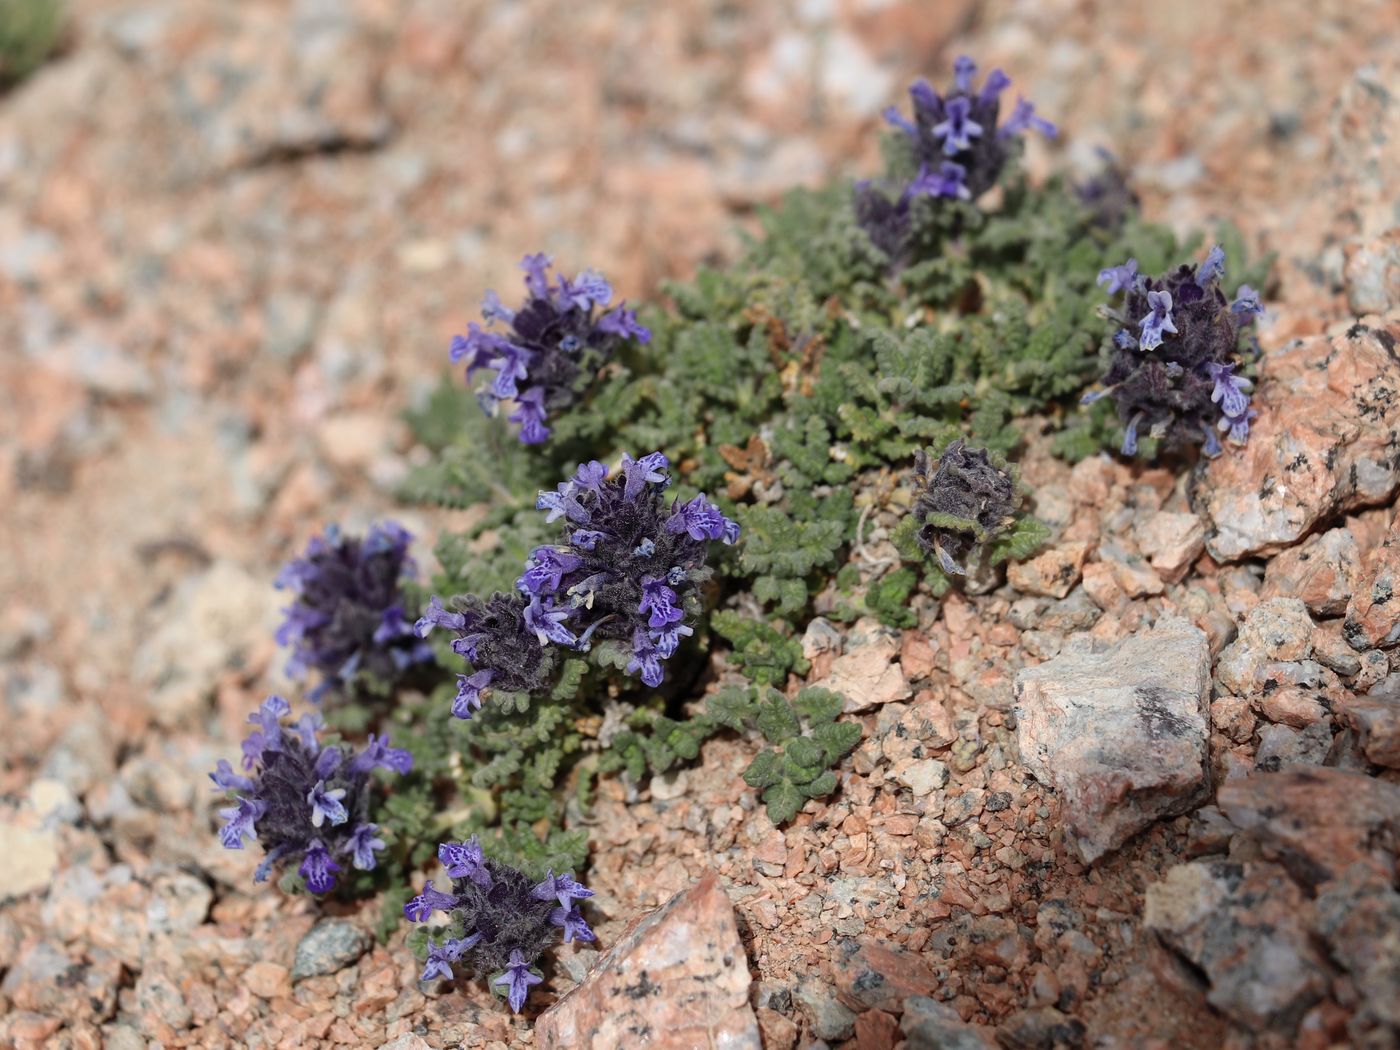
column 958, row 129
column 518, row 979
column 545, row 351
column 1158, row 321
column 347, row 617
column 1118, row 278
column 308, row 801
column 464, row 860
column 363, row 846
column 574, row 927
column 508, row 919
column 318, row 869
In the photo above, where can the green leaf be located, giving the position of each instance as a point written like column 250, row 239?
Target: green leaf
column 818, row 705
column 806, row 754
column 777, row 721
column 837, row 738
column 783, row 801
column 764, row 770
column 732, row 707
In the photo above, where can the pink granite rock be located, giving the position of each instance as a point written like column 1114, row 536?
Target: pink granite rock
column 1321, row 571
column 1373, row 613
column 1329, row 420
column 1051, row 574
column 679, row 978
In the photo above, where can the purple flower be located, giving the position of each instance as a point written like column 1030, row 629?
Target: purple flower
column 363, row 846
column 661, row 602
column 227, row 780
column 546, row 569
column 1246, row 305
column 563, row 503
column 1023, row 118
column 378, row 753
column 240, row 820
column 318, row 869
column 639, row 472
column 646, row 659
column 1118, row 278
column 1130, row 436
column 957, row 129
column 421, row 907
column 573, row 924
column 1231, row 392
column 668, row 639
column 518, row 979
column 347, row 617
column 949, row 180
column 1237, row 427
column 438, row 964
column 1158, row 321
column 701, row 520
column 591, row 475
column 469, row 687
column 1213, row 268
column 547, row 622
column 530, row 414
column 437, row 616
column 325, row 804
column 464, row 860
column 562, row 888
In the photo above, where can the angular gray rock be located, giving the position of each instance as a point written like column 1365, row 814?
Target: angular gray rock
column 1246, row 927
column 1120, row 735
column 329, row 947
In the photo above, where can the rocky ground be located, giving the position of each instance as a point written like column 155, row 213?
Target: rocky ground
column 1143, row 795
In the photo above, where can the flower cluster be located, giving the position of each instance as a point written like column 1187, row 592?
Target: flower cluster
column 303, row 801
column 348, row 616
column 966, row 501
column 628, row 568
column 548, row 350
column 1175, row 357
column 501, row 919
column 958, row 148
